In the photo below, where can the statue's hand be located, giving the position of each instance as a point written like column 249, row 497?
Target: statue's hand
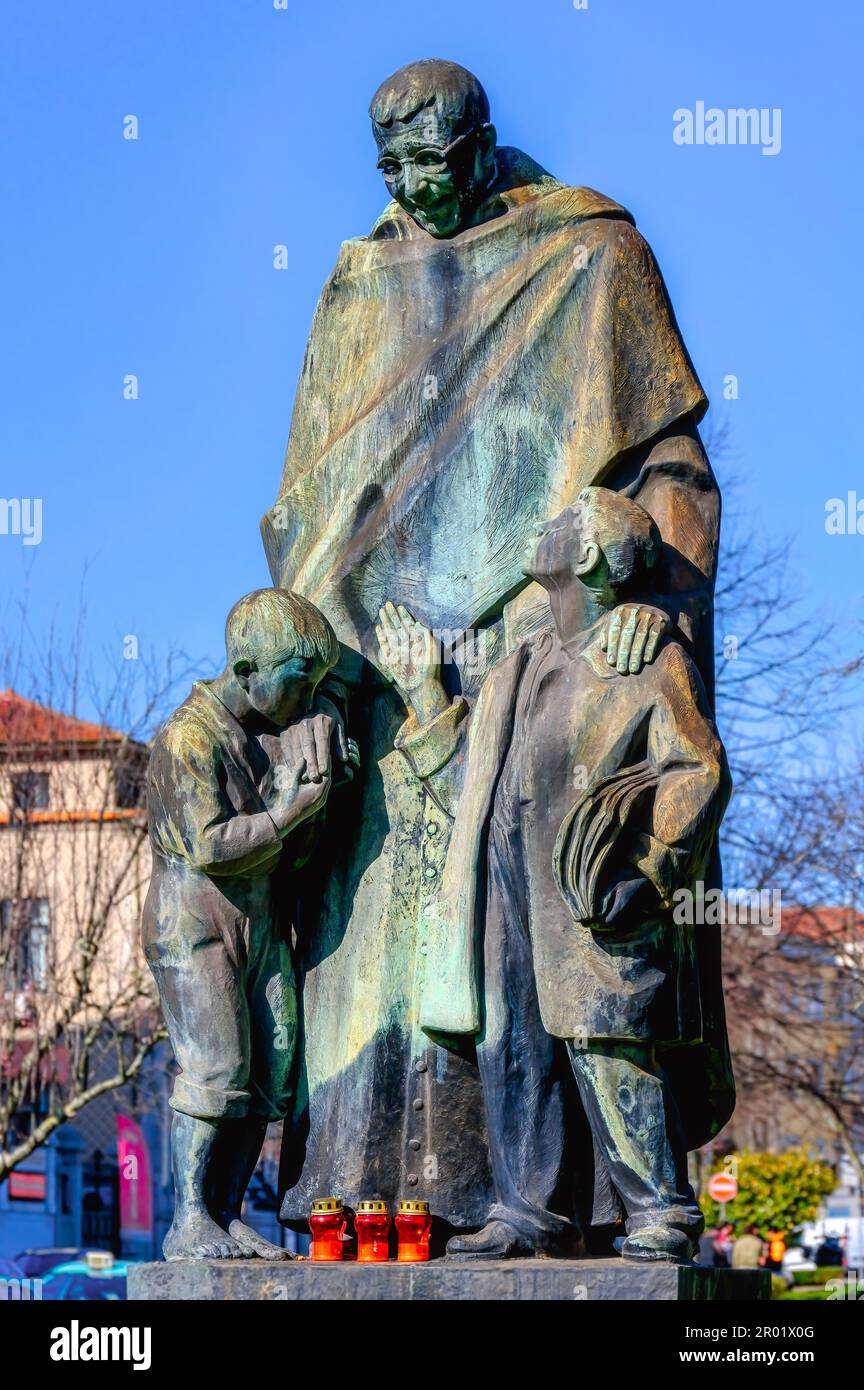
column 308, row 744
column 631, row 636
column 304, row 778
column 408, row 654
column 346, row 748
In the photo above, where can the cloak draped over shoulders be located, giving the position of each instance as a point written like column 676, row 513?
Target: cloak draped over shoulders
column 453, row 391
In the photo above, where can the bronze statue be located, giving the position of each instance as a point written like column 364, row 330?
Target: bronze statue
column 498, row 342
column 239, row 775
column 586, row 798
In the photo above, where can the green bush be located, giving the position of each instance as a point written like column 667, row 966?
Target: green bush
column 804, row 1295
column 776, row 1192
column 817, row 1276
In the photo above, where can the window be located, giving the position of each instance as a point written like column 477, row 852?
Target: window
column 128, row 786
column 25, row 923
column 814, row 1002
column 30, row 791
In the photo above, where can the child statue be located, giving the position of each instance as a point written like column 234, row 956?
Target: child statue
column 239, row 775
column 583, row 797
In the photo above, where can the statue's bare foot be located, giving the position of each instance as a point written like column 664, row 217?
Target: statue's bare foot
column 255, row 1244
column 197, row 1237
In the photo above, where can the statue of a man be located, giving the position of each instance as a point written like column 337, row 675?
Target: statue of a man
column 498, row 342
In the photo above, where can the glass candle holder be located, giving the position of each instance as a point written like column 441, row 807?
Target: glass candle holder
column 413, row 1223
column 372, row 1224
column 327, row 1224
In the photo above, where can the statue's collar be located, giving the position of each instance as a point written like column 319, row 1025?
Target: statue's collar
column 587, row 645
column 520, row 182
column 519, row 179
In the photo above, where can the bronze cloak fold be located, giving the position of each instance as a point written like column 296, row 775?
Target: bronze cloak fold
column 454, row 389
column 453, row 393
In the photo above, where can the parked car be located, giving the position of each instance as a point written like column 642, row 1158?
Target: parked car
column 99, row 1276
column 39, row 1261
column 797, row 1258
column 830, row 1254
column 849, row 1231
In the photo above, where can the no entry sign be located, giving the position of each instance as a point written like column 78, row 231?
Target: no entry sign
column 722, row 1187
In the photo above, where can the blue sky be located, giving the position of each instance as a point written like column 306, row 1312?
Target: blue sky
column 155, row 257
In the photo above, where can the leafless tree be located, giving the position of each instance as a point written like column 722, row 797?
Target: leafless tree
column 78, row 1014
column 794, row 982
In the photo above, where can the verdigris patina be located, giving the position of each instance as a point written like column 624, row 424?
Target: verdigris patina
column 498, row 342
column 238, row 781
column 586, row 797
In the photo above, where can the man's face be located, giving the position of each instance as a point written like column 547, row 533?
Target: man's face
column 433, row 174
column 281, row 687
column 556, row 548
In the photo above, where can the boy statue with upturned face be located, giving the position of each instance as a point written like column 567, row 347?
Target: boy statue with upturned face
column 584, row 791
column 239, row 776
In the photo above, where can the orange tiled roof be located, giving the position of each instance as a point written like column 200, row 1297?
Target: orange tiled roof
column 71, row 817
column 822, row 923
column 24, row 722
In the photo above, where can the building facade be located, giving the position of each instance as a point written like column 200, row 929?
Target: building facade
column 76, row 1000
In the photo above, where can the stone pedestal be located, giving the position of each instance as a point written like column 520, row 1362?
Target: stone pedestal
column 487, row 1281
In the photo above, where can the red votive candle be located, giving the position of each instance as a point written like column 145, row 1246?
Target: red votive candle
column 413, row 1224
column 372, row 1224
column 327, row 1224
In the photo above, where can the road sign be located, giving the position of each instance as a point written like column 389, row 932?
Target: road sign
column 722, row 1187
